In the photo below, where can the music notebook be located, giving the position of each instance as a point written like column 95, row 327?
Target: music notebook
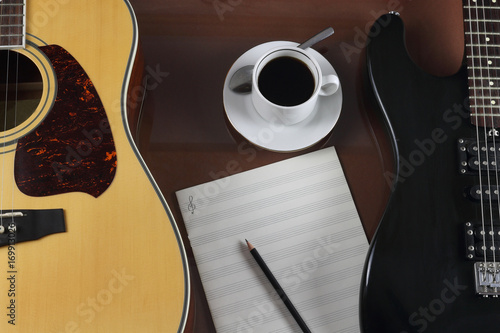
column 300, row 214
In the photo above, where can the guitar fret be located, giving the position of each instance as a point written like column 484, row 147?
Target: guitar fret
column 493, row 99
column 484, row 88
column 483, row 68
column 483, row 56
column 11, row 15
column 481, row 7
column 482, row 49
column 483, row 33
column 486, row 107
column 474, row 114
column 482, row 20
column 480, row 45
column 483, row 78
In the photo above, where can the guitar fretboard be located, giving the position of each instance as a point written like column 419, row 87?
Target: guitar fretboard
column 482, row 49
column 12, row 24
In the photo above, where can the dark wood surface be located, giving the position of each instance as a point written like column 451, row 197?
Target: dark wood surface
column 189, row 45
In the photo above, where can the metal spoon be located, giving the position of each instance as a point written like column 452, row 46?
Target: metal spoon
column 241, row 81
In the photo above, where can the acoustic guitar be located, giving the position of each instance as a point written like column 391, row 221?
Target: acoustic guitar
column 87, row 242
column 434, row 263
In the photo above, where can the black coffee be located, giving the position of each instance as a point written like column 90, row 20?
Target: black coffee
column 286, row 81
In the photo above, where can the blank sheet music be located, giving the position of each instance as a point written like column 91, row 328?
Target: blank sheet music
column 301, row 216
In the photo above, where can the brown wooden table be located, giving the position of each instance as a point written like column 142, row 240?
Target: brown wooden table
column 189, row 45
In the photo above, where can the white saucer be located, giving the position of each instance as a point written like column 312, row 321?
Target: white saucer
column 277, row 137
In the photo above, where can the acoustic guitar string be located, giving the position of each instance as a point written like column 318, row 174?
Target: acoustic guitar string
column 1, row 218
column 12, row 8
column 20, row 8
column 1, row 205
column 14, row 124
column 475, row 90
column 4, row 137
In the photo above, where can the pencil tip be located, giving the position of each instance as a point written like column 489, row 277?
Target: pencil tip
column 250, row 246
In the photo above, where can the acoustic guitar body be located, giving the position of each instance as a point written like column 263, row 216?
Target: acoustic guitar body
column 420, row 274
column 87, row 241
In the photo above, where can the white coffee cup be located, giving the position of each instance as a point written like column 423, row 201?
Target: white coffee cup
column 324, row 85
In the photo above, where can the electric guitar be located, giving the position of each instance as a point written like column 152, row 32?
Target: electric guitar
column 87, row 242
column 434, row 263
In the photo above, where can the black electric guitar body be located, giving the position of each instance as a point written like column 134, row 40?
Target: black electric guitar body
column 433, row 265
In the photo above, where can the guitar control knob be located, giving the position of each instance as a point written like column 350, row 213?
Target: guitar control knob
column 2, row 229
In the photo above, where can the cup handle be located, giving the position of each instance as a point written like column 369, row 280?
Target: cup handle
column 330, row 85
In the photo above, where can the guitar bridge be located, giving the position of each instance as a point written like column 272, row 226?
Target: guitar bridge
column 29, row 225
column 487, row 277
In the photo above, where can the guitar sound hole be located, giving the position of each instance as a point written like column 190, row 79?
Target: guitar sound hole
column 21, row 89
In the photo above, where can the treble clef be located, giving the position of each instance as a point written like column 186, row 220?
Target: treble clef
column 191, row 205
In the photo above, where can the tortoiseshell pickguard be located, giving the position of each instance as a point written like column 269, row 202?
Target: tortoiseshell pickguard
column 72, row 150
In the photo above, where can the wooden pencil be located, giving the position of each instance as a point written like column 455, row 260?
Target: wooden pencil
column 278, row 288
